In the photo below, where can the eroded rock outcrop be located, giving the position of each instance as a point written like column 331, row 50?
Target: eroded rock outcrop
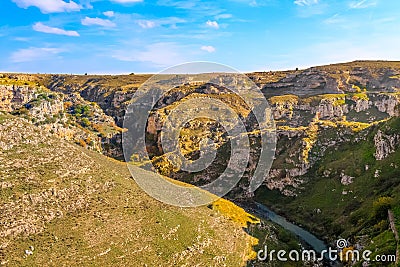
column 315, row 110
column 385, row 144
column 14, row 96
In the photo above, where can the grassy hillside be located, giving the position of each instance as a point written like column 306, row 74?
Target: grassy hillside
column 70, row 206
column 48, row 185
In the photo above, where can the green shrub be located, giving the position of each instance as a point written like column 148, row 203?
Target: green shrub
column 381, row 207
column 85, row 122
column 82, row 111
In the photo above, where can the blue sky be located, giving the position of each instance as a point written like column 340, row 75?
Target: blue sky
column 142, row 36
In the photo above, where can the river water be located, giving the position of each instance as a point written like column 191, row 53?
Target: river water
column 311, row 240
column 316, row 244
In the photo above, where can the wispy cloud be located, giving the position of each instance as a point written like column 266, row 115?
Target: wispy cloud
column 178, row 4
column 306, row 2
column 40, row 27
column 335, row 19
column 208, row 48
column 109, row 14
column 362, row 4
column 203, row 35
column 310, row 8
column 49, row 6
column 223, row 16
column 212, row 24
column 170, row 21
column 22, row 39
column 200, row 8
column 87, row 21
column 161, row 54
column 34, row 54
column 253, row 3
column 146, row 24
column 347, row 22
column 127, row 1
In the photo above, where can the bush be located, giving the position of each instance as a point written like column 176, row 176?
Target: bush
column 85, row 122
column 381, row 207
column 20, row 112
column 82, row 110
column 43, row 97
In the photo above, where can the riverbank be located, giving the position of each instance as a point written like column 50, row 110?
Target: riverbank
column 307, row 239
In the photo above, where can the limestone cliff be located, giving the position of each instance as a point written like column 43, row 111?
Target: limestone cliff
column 315, row 110
column 68, row 116
column 385, row 144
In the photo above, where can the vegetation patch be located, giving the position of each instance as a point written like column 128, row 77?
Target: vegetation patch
column 234, row 212
column 354, row 125
column 396, row 212
column 309, row 141
column 284, row 99
column 359, row 96
column 15, row 81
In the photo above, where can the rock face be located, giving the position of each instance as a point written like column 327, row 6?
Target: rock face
column 112, row 102
column 43, row 109
column 328, row 110
column 335, row 106
column 303, row 83
column 388, row 105
column 14, row 96
column 346, row 179
column 55, row 113
column 385, row 144
column 38, row 100
column 6, row 96
column 335, row 97
column 330, row 79
column 315, row 110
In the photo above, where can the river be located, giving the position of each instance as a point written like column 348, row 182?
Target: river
column 314, row 242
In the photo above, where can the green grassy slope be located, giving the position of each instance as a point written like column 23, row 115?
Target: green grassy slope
column 332, row 210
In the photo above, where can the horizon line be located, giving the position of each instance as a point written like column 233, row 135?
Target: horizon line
column 245, row 72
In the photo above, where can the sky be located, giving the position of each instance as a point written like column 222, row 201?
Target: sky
column 143, row 36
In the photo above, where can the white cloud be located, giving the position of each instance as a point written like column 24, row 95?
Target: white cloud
column 34, row 54
column 306, row 2
column 212, row 24
column 109, row 14
column 40, row 27
column 169, row 21
column 223, row 16
column 127, row 1
column 362, row 4
column 253, row 3
column 98, row 21
column 146, row 24
column 22, row 39
column 348, row 23
column 160, row 54
column 208, row 48
column 335, row 19
column 179, row 4
column 49, row 6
